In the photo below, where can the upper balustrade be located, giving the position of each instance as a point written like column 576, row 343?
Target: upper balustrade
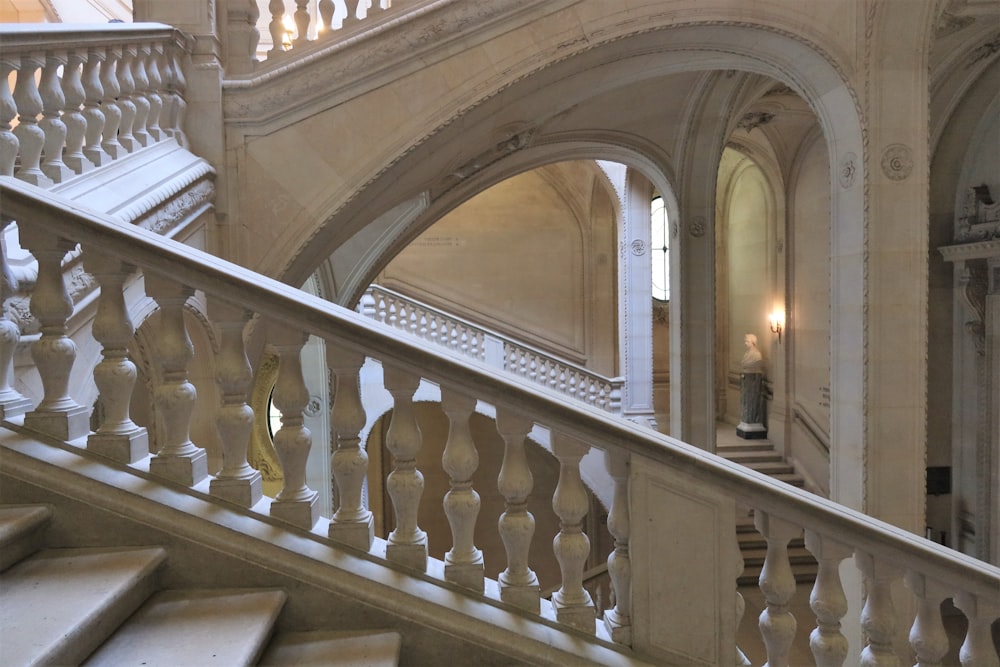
column 455, row 333
column 264, row 30
column 674, row 565
column 86, row 95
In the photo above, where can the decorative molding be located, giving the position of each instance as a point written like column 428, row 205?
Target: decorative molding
column 184, row 205
column 638, row 247
column 897, row 162
column 980, row 219
column 847, row 169
column 966, row 251
column 697, row 226
column 985, row 51
column 754, row 119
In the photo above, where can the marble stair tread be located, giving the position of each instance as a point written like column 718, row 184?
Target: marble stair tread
column 60, row 604
column 334, row 649
column 194, row 627
column 21, row 528
column 751, row 456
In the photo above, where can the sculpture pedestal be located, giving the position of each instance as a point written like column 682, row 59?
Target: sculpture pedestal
column 751, row 431
column 751, row 424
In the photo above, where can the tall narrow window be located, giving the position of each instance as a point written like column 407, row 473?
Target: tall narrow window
column 660, row 240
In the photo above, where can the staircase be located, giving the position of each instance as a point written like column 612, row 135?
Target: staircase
column 761, row 456
column 105, row 606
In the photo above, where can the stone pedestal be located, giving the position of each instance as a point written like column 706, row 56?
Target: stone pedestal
column 302, row 513
column 751, row 424
column 64, row 425
column 357, row 534
column 188, row 469
column 244, row 492
column 121, row 447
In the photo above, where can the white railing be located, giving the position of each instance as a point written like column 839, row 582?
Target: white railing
column 674, row 564
column 84, row 97
column 265, row 30
column 467, row 338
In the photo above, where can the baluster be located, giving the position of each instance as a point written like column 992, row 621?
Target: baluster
column 463, row 564
column 407, row 543
column 827, row 600
column 243, row 36
column 572, row 603
column 76, row 123
column 741, row 604
column 8, row 111
column 176, row 85
column 413, row 325
column 927, row 635
column 302, row 20
column 30, row 136
column 367, row 306
column 151, row 57
column 518, row 583
column 326, row 11
column 392, row 318
column 352, row 523
column 109, row 104
column 296, row 502
column 980, row 610
column 777, row 624
column 117, row 436
column 532, row 369
column 615, row 400
column 92, row 112
column 422, row 326
column 434, row 329
column 54, row 352
column 53, row 102
column 178, row 459
column 140, row 92
column 237, row 482
column 878, row 618
column 12, row 403
column 277, row 28
column 618, row 620
column 127, row 99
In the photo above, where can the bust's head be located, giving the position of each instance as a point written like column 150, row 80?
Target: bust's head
column 750, row 341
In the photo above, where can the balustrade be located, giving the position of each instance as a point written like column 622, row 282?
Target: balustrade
column 883, row 554
column 308, row 24
column 82, row 99
column 435, row 326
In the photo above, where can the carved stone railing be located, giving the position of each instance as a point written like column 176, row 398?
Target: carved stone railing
column 675, row 559
column 441, row 328
column 83, row 98
column 253, row 23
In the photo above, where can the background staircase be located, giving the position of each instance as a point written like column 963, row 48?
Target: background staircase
column 761, row 456
column 104, row 606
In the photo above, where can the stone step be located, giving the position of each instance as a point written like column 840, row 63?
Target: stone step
column 22, row 530
column 751, row 456
column 747, row 446
column 771, row 468
column 60, row 604
column 194, row 627
column 334, row 649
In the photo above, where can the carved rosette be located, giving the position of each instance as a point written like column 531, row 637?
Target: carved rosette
column 897, row 162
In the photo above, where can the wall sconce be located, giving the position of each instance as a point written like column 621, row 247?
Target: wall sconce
column 777, row 322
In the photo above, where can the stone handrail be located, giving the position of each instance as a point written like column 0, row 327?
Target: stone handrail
column 441, row 328
column 674, row 508
column 84, row 97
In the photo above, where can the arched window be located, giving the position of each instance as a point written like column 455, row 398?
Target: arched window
column 660, row 245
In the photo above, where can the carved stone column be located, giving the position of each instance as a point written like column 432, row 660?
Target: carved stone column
column 828, row 601
column 53, row 102
column 352, row 523
column 618, row 620
column 117, row 436
column 518, row 583
column 407, row 542
column 928, row 638
column 28, row 133
column 237, row 482
column 777, row 583
column 178, row 459
column 878, row 618
column 76, row 122
column 93, row 113
column 296, row 502
column 464, row 562
column 572, row 602
column 54, row 353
